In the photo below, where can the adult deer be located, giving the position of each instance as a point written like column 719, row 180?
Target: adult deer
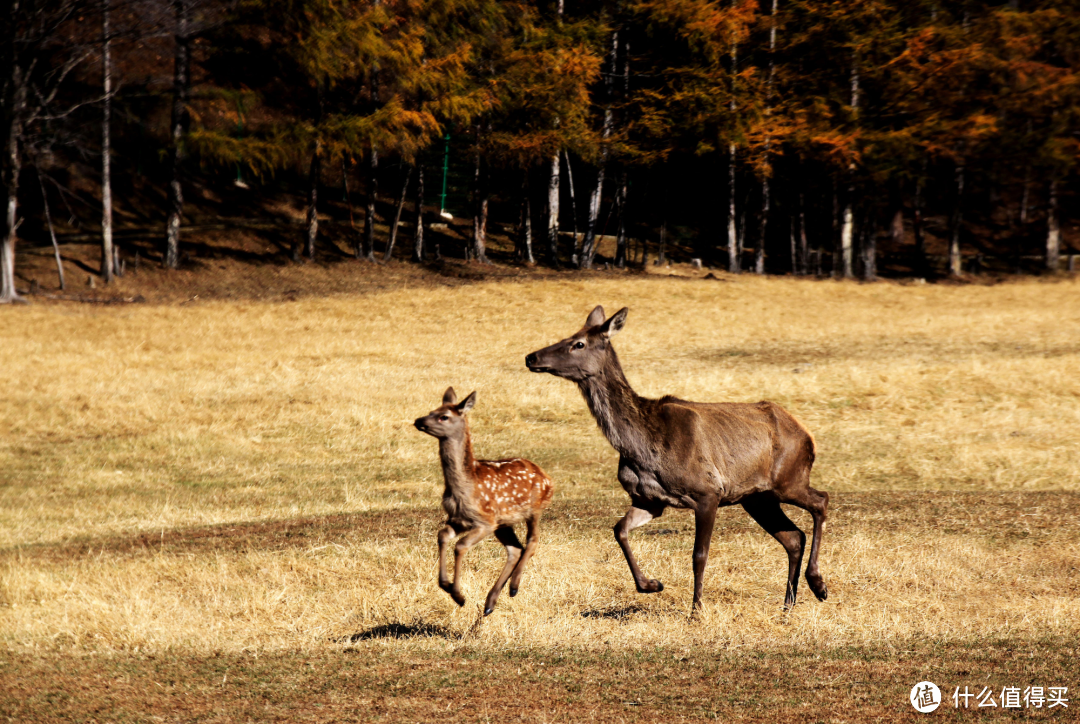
column 693, row 455
column 483, row 497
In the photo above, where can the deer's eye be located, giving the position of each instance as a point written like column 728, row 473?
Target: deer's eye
column 443, row 418
column 579, row 345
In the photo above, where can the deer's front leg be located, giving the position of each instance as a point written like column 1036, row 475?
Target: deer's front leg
column 704, row 519
column 446, row 534
column 471, row 538
column 634, row 518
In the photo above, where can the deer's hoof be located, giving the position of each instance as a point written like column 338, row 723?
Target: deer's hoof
column 489, row 610
column 817, row 585
column 653, row 586
column 512, row 591
column 458, row 598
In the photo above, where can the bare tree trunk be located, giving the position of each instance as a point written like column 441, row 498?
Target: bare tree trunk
column 524, row 246
column 11, row 166
column 847, row 230
column 367, row 250
column 868, row 247
column 794, row 231
column 804, row 244
column 397, row 215
column 108, row 258
column 734, row 259
column 589, row 245
column 620, row 239
column 180, row 121
column 955, row 261
column 314, row 172
column 733, row 240
column 917, row 229
column 759, row 252
column 575, row 254
column 553, row 214
column 480, row 209
column 418, row 246
column 896, row 217
column 1053, row 229
column 52, row 232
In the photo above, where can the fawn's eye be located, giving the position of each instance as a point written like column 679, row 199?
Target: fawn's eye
column 579, row 345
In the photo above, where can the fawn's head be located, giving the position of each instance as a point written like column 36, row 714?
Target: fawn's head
column 584, row 354
column 448, row 420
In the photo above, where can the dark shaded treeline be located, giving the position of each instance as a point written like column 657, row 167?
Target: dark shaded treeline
column 926, row 138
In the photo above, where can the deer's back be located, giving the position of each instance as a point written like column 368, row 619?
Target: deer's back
column 737, row 448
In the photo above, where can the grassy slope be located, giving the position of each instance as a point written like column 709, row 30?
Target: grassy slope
column 187, row 487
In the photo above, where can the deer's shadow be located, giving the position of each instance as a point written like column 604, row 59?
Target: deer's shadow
column 618, row 613
column 399, row 630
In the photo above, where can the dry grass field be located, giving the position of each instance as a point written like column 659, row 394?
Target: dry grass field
column 220, row 511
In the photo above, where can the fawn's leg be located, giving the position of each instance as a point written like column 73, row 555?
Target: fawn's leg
column 446, row 534
column 467, row 541
column 510, row 541
column 531, row 540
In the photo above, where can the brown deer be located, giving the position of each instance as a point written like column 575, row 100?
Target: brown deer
column 483, row 497
column 694, row 455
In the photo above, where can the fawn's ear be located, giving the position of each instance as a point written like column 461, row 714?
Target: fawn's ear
column 612, row 327
column 449, row 397
column 467, row 403
column 596, row 317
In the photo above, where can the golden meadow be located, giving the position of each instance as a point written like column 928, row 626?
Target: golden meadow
column 947, row 420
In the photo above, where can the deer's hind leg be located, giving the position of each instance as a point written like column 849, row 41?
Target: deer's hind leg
column 513, row 547
column 531, row 540
column 765, row 509
column 816, row 502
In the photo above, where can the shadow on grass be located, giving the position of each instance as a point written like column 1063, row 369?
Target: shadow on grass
column 614, row 614
column 400, row 631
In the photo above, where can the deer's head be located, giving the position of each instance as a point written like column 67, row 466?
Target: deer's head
column 448, row 420
column 584, row 354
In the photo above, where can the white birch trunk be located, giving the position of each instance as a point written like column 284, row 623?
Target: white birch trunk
column 108, row 258
column 181, row 83
column 847, row 229
column 418, row 240
column 1053, row 230
column 397, row 215
column 314, row 172
column 955, row 260
column 553, row 213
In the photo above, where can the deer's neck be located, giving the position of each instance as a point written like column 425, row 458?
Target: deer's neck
column 458, row 465
column 618, row 410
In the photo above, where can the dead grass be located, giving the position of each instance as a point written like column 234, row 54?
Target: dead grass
column 242, row 477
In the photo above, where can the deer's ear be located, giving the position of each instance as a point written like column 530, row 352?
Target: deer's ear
column 596, row 317
column 467, row 403
column 449, row 397
column 612, row 327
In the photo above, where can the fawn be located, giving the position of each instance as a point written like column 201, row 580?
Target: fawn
column 483, row 497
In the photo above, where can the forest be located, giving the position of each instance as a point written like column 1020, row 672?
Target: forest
column 929, row 139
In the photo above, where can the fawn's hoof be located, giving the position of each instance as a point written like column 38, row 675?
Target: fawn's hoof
column 817, row 585
column 512, row 591
column 653, row 586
